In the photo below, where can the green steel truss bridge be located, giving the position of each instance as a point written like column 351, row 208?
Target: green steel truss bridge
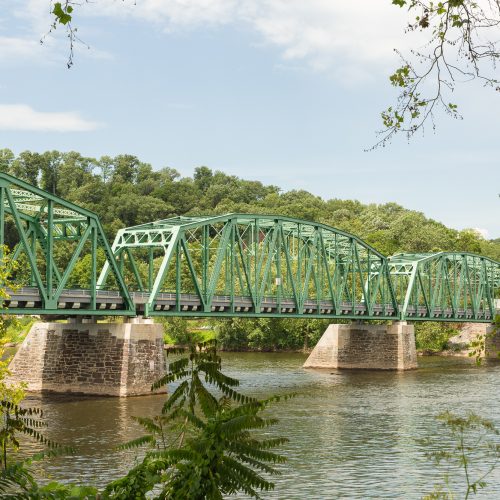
column 230, row 265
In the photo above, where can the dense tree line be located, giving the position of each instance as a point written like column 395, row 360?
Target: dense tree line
column 124, row 191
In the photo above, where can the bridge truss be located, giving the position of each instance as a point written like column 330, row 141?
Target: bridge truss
column 229, row 265
column 241, row 264
column 445, row 286
column 53, row 238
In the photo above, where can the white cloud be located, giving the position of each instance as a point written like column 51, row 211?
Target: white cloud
column 325, row 33
column 15, row 117
column 12, row 48
column 349, row 39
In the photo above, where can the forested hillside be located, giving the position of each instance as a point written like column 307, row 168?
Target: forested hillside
column 124, row 191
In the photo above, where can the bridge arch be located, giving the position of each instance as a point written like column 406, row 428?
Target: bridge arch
column 253, row 264
column 445, row 286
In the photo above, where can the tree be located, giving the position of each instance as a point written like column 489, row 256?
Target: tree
column 461, row 45
column 200, row 446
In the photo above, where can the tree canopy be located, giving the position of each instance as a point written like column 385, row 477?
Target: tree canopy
column 125, row 191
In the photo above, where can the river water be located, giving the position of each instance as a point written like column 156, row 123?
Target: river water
column 353, row 434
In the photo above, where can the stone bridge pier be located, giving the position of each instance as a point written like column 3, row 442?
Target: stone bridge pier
column 365, row 346
column 85, row 357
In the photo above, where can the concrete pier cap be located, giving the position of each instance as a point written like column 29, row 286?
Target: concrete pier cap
column 366, row 347
column 86, row 357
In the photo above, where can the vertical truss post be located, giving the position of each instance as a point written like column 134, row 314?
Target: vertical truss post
column 279, row 279
column 150, row 268
column 178, row 282
column 2, row 218
column 49, row 261
column 205, row 242
column 93, row 268
column 232, row 277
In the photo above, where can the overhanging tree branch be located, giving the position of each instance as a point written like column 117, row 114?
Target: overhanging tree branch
column 461, row 47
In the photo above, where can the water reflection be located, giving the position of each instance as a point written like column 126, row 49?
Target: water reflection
column 352, row 433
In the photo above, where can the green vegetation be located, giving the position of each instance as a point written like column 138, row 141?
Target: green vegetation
column 269, row 334
column 468, row 452
column 16, row 479
column 181, row 331
column 201, row 446
column 16, row 329
column 124, row 191
column 434, row 336
column 207, row 442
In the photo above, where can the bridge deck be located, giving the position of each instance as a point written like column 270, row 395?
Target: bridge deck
column 108, row 302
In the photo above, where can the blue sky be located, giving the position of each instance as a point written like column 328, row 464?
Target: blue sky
column 288, row 93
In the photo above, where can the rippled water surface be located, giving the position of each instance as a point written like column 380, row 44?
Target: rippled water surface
column 353, row 434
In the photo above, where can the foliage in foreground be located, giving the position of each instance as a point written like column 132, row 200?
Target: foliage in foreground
column 203, row 446
column 471, row 458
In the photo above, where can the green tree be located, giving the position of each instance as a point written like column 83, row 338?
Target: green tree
column 6, row 159
column 200, row 446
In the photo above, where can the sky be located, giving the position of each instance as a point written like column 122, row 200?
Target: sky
column 282, row 91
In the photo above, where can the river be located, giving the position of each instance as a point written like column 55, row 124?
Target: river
column 353, row 434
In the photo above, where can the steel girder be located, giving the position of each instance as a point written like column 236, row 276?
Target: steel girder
column 229, row 265
column 258, row 265
column 53, row 236
column 446, row 286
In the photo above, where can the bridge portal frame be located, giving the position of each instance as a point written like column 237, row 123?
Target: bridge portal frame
column 42, row 219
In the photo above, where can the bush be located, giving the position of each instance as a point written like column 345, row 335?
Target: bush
column 177, row 331
column 433, row 336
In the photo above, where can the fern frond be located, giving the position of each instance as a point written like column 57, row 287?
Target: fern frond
column 257, row 454
column 57, row 451
column 15, row 475
column 137, row 443
column 192, row 418
column 178, row 366
column 175, row 396
column 249, row 476
column 168, row 378
column 175, row 350
column 148, row 424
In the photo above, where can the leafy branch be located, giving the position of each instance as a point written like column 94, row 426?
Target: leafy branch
column 475, row 451
column 62, row 16
column 201, row 446
column 460, row 48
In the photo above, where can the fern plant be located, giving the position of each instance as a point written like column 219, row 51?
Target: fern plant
column 16, row 480
column 202, row 446
column 224, row 457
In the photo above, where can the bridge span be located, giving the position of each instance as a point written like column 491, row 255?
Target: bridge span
column 225, row 265
column 247, row 265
